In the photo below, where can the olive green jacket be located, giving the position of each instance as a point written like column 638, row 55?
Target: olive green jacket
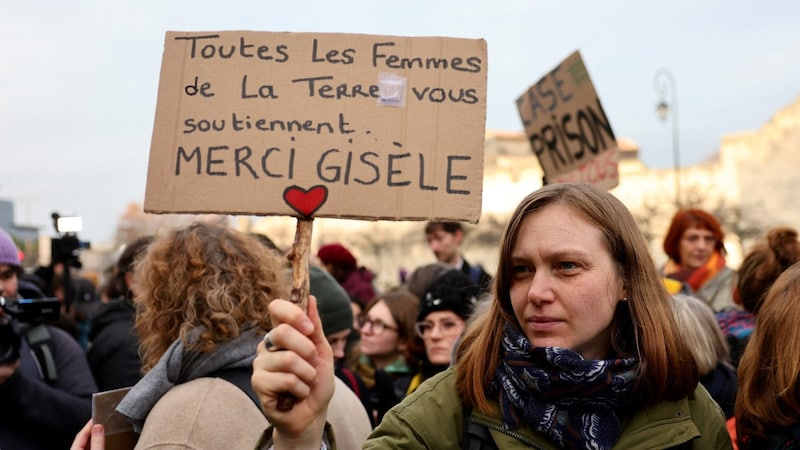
column 432, row 418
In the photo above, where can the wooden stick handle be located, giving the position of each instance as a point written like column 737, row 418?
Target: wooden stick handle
column 301, row 250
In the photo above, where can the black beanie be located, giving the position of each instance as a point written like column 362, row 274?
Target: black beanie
column 332, row 301
column 453, row 291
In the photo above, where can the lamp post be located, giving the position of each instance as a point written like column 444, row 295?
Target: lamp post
column 665, row 84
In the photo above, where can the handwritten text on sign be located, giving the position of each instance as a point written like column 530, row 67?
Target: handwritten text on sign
column 392, row 127
column 566, row 124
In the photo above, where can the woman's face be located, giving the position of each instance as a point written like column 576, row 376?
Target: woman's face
column 379, row 333
column 441, row 329
column 565, row 286
column 696, row 247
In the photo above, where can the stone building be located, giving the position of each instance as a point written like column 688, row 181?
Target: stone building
column 749, row 184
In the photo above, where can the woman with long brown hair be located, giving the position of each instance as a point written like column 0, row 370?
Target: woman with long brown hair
column 579, row 349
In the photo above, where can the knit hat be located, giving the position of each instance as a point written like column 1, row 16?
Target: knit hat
column 337, row 255
column 332, row 301
column 453, row 291
column 9, row 254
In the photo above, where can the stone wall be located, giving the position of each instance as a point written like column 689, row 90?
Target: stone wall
column 750, row 183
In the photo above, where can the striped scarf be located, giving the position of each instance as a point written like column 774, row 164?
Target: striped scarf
column 698, row 277
column 556, row 392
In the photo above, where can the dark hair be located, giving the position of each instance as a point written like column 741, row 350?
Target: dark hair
column 691, row 218
column 125, row 263
column 447, row 227
column 762, row 265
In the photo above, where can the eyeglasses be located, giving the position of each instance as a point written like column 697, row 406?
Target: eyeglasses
column 377, row 325
column 446, row 327
column 7, row 274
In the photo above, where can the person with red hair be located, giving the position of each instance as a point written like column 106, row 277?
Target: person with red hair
column 695, row 246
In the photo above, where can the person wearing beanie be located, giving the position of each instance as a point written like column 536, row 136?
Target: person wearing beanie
column 334, row 308
column 10, row 266
column 63, row 404
column 443, row 313
column 333, row 305
column 356, row 280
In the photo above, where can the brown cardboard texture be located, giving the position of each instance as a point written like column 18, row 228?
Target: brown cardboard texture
column 568, row 128
column 118, row 429
column 319, row 125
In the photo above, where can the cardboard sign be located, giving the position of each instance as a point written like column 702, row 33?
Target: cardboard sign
column 319, row 125
column 568, row 128
column 118, row 429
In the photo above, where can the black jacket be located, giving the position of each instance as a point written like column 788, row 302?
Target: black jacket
column 113, row 352
column 478, row 275
column 38, row 415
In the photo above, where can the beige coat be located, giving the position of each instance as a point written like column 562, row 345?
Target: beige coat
column 210, row 413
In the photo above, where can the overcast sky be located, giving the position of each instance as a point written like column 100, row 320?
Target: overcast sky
column 79, row 79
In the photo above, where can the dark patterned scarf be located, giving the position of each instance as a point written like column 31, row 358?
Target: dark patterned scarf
column 555, row 391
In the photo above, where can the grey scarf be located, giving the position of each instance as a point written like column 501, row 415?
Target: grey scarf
column 178, row 366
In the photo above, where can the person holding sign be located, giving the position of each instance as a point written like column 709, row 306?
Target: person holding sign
column 579, row 349
column 696, row 250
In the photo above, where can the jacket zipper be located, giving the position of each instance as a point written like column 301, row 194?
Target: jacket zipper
column 516, row 436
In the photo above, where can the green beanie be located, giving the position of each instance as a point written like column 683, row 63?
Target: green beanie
column 332, row 301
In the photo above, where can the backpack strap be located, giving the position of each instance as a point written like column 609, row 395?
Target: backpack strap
column 351, row 378
column 476, row 436
column 40, row 341
column 239, row 377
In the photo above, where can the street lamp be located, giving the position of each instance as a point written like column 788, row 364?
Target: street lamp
column 665, row 84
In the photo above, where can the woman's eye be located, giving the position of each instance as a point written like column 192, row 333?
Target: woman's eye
column 448, row 325
column 520, row 269
column 567, row 265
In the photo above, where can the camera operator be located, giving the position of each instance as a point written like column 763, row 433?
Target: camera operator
column 42, row 405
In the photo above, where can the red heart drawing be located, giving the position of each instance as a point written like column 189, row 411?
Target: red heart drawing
column 305, row 202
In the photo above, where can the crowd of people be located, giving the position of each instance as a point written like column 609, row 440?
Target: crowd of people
column 577, row 340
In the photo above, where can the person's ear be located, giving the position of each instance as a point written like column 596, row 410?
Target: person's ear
column 128, row 279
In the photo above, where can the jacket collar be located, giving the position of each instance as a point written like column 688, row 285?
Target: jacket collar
column 667, row 424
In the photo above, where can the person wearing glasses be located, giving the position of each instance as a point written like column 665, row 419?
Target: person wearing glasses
column 387, row 330
column 444, row 310
column 579, row 349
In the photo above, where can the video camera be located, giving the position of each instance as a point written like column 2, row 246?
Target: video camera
column 65, row 249
column 31, row 311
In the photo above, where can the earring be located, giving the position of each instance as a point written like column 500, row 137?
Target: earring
column 624, row 299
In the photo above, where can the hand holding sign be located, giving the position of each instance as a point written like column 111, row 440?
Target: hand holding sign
column 319, row 125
